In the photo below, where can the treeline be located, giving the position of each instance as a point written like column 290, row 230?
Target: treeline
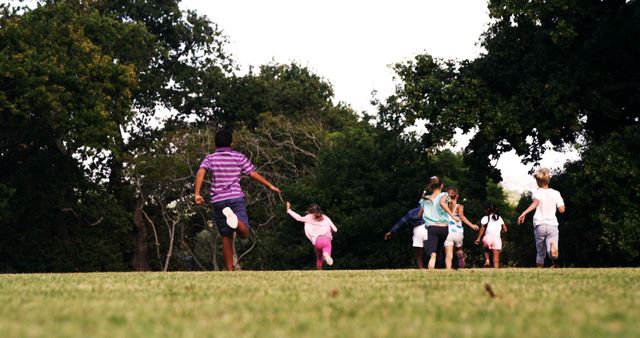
column 91, row 180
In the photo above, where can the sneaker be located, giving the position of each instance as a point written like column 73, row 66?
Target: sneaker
column 327, row 258
column 232, row 219
column 554, row 250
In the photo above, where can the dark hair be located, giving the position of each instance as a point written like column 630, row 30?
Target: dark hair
column 434, row 183
column 453, row 188
column 492, row 209
column 316, row 211
column 223, row 138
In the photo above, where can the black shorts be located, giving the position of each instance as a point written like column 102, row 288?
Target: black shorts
column 437, row 236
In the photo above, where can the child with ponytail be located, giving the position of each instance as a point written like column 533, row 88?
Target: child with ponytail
column 494, row 225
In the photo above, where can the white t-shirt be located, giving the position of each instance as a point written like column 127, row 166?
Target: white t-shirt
column 549, row 200
column 493, row 226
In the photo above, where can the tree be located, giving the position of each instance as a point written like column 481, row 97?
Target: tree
column 554, row 74
column 366, row 178
column 62, row 99
column 546, row 79
column 76, row 78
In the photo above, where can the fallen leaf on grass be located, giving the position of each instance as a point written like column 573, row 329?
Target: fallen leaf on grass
column 489, row 290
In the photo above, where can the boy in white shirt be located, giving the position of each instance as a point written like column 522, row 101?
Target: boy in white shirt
column 545, row 223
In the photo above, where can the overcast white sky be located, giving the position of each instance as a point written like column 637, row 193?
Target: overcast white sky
column 352, row 43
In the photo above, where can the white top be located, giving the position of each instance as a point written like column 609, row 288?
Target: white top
column 549, row 200
column 493, row 226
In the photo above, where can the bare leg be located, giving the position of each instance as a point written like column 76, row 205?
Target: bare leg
column 487, row 263
column 432, row 261
column 420, row 257
column 448, row 251
column 227, row 252
column 243, row 230
column 460, row 255
column 496, row 258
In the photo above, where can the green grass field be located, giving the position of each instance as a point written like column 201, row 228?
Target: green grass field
column 408, row 303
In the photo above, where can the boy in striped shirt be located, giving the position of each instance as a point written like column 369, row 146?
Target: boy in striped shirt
column 227, row 198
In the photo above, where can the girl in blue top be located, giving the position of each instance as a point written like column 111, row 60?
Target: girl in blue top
column 435, row 212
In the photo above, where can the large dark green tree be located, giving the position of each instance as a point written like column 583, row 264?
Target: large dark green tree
column 553, row 74
column 62, row 100
column 75, row 76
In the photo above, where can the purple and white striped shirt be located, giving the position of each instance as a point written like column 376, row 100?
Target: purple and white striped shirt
column 227, row 166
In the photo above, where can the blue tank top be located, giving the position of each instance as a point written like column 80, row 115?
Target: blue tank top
column 434, row 213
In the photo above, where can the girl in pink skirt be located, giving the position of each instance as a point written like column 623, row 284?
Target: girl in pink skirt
column 318, row 228
column 494, row 225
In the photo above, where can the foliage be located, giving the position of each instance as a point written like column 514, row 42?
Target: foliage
column 107, row 108
column 365, row 181
column 553, row 74
column 601, row 191
column 61, row 97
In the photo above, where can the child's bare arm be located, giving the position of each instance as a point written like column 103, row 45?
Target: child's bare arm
column 198, row 185
column 420, row 213
column 562, row 209
column 480, row 234
column 532, row 207
column 260, row 179
column 465, row 219
column 504, row 227
column 445, row 206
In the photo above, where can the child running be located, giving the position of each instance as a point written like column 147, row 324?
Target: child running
column 420, row 234
column 494, row 225
column 318, row 228
column 227, row 198
column 456, row 232
column 545, row 223
column 435, row 212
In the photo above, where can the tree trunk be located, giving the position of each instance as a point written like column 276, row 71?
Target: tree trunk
column 141, row 249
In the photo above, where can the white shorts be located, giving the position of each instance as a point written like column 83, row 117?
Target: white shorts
column 454, row 238
column 420, row 235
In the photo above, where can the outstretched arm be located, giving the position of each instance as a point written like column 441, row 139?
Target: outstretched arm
column 260, row 179
column 403, row 220
column 296, row 216
column 532, row 207
column 445, row 206
column 464, row 218
column 199, row 178
column 480, row 234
